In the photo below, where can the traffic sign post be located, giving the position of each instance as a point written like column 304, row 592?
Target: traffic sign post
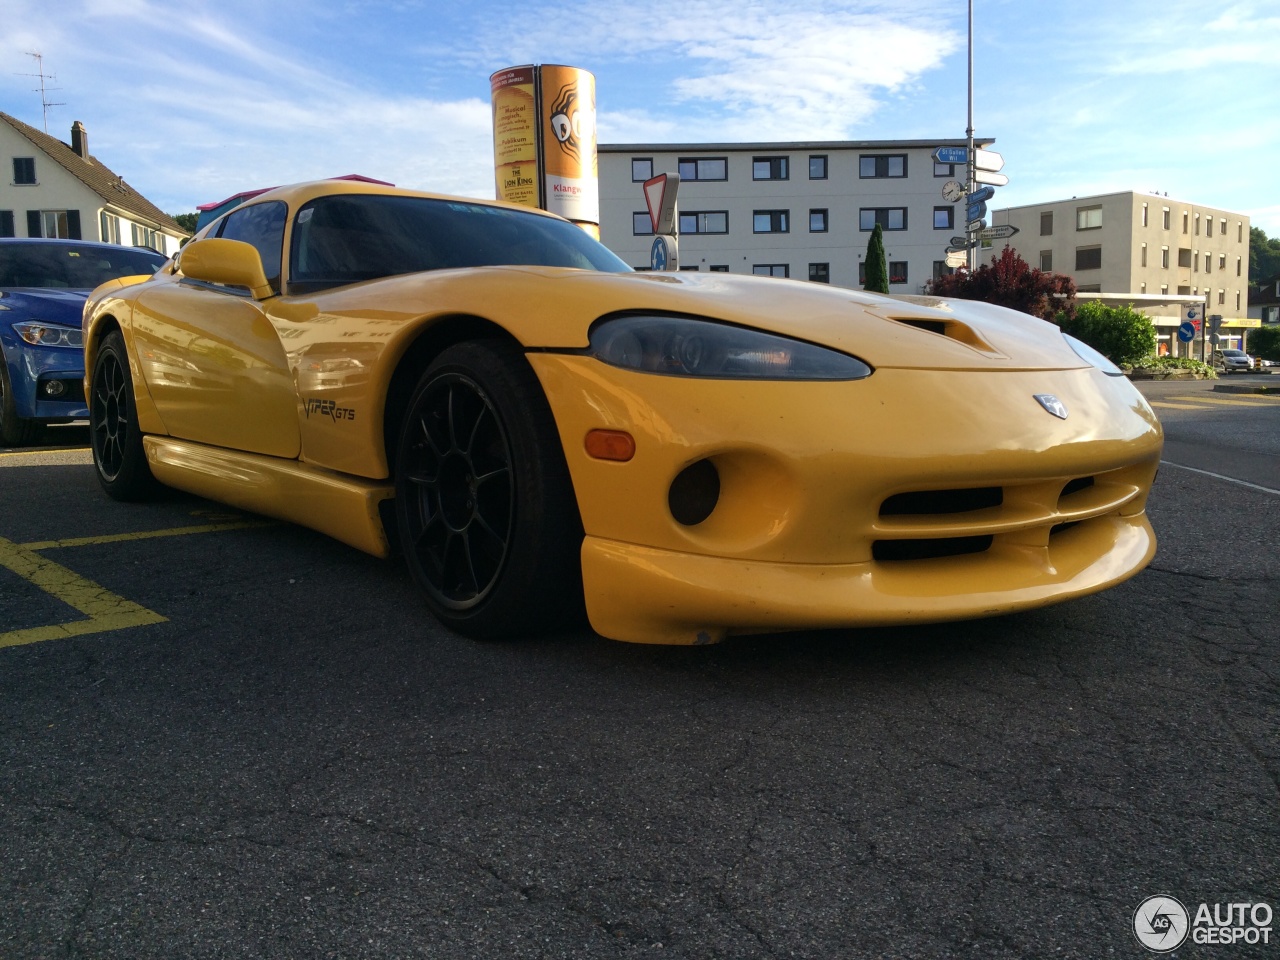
column 1187, row 332
column 664, row 255
column 660, row 196
column 951, row 155
column 999, row 232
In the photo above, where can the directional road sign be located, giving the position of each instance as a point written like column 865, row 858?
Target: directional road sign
column 982, row 193
column 961, row 247
column 991, row 177
column 987, row 160
column 956, row 259
column 999, row 232
column 976, row 211
column 951, row 155
column 975, row 226
column 663, row 253
column 963, row 243
column 1187, row 332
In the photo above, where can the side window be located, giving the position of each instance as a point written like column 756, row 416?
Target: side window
column 262, row 225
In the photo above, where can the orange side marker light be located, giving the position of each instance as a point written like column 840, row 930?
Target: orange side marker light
column 610, row 445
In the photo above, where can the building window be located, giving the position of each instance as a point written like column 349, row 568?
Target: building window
column 817, row 221
column 145, row 237
column 1142, row 288
column 944, row 218
column 771, row 269
column 1208, row 263
column 820, row 272
column 1197, row 224
column 1208, row 227
column 1166, row 223
column 1237, row 264
column 695, row 268
column 1238, row 301
column 1164, row 258
column 24, row 170
column 1144, row 255
column 769, row 168
column 1186, row 219
column 897, row 271
column 719, row 268
column 1089, row 218
column 54, row 224
column 1184, row 257
column 889, row 218
column 1239, row 232
column 885, row 165
column 1144, row 214
column 1222, row 261
column 1046, row 260
column 1222, row 297
column 110, row 227
column 940, row 269
column 1090, row 288
column 641, row 169
column 708, row 221
column 6, row 223
column 1088, row 258
column 1164, row 289
column 641, row 224
column 703, row 168
column 1184, row 290
column 770, row 221
column 1046, row 224
column 1222, row 227
column 943, row 170
column 1195, row 262
column 818, row 167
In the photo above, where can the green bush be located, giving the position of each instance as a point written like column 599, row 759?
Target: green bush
column 1265, row 342
column 1176, row 363
column 1122, row 334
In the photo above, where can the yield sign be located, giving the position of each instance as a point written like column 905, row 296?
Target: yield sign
column 660, row 196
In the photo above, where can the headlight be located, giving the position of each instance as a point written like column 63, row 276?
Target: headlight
column 50, row 334
column 684, row 347
column 1092, row 356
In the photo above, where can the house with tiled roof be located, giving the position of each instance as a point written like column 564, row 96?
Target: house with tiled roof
column 58, row 189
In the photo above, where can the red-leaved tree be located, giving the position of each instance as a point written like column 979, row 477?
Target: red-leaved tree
column 1012, row 282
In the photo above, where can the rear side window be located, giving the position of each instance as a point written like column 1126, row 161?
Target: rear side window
column 261, row 225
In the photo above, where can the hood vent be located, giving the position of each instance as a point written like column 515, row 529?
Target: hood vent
column 953, row 330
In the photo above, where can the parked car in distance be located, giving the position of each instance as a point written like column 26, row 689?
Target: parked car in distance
column 43, row 287
column 1232, row 361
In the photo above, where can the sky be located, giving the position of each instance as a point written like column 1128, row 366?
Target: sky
column 192, row 101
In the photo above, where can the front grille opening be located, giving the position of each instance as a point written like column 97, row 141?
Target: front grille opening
column 933, row 502
column 929, row 549
column 1076, row 485
column 1058, row 528
column 694, row 493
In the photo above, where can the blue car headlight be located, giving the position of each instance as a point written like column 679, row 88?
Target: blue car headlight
column 690, row 347
column 40, row 334
column 1092, row 356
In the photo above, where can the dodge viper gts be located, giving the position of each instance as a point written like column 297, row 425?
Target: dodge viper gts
column 541, row 430
column 43, row 286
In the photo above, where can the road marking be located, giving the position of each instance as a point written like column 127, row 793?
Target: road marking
column 1177, row 406
column 1218, row 476
column 1244, row 400
column 105, row 610
column 46, row 457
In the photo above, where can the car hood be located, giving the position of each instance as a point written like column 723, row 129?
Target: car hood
column 54, row 305
column 554, row 308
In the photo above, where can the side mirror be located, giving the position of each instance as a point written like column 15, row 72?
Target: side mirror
column 232, row 263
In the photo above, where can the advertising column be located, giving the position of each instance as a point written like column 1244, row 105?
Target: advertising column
column 544, row 141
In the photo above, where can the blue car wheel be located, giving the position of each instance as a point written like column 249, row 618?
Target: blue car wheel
column 15, row 431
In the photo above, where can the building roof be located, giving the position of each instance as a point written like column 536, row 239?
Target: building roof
column 93, row 174
column 790, row 145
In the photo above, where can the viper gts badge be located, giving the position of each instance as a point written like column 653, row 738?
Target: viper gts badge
column 1052, row 404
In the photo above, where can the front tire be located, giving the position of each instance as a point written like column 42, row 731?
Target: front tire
column 15, row 431
column 484, row 504
column 118, row 457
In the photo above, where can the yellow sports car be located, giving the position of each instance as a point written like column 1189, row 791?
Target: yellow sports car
column 540, row 428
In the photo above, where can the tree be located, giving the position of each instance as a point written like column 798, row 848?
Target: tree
column 187, row 221
column 1264, row 256
column 876, row 270
column 1121, row 334
column 1011, row 282
column 1265, row 342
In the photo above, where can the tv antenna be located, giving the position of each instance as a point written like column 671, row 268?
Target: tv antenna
column 45, row 104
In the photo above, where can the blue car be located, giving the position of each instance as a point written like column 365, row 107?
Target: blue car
column 43, row 286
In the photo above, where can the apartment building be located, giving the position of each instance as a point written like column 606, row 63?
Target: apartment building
column 1144, row 248
column 803, row 210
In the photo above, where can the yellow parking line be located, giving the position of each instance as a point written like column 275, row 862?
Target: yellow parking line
column 1243, row 400
column 1178, row 406
column 105, row 610
column 145, row 535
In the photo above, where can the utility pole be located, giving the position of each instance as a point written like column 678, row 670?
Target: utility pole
column 970, row 183
column 44, row 99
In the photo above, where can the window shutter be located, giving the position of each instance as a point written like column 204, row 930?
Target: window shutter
column 33, row 224
column 6, row 223
column 73, row 224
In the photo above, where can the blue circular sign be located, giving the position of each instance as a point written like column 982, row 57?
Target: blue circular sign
column 1187, row 332
column 658, row 254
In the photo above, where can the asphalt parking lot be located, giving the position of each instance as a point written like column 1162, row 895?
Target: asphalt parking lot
column 228, row 737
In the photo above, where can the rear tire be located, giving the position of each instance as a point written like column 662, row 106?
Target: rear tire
column 15, row 431
column 118, row 456
column 484, row 504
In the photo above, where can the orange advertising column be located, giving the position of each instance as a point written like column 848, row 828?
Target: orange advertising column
column 546, row 116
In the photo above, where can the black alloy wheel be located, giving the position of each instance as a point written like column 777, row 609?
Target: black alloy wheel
column 118, row 455
column 485, row 509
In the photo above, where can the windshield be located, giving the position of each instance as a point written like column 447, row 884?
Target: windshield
column 1233, row 353
column 70, row 265
column 346, row 239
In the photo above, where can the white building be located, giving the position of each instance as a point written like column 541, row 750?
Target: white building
column 60, row 190
column 802, row 210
